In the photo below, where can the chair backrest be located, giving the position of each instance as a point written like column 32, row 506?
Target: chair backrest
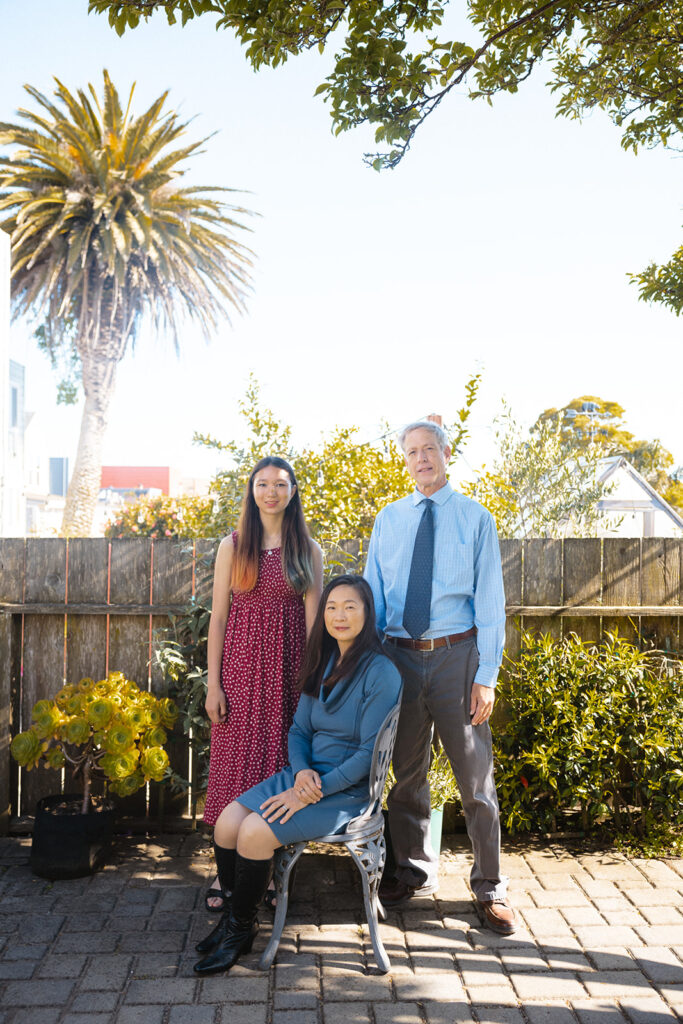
column 381, row 759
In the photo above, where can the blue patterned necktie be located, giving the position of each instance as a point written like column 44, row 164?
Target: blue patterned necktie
column 419, row 593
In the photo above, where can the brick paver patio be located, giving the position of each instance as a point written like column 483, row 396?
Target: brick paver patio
column 601, row 943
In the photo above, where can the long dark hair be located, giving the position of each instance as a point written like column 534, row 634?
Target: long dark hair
column 321, row 646
column 297, row 563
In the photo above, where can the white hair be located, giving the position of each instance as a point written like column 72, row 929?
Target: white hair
column 438, row 432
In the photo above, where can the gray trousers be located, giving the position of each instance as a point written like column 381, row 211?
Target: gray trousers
column 436, row 691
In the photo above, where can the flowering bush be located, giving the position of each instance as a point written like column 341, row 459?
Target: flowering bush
column 119, row 731
column 163, row 517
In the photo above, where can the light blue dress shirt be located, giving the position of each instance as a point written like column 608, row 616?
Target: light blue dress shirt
column 467, row 583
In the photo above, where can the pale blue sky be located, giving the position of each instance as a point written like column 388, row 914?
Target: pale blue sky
column 502, row 242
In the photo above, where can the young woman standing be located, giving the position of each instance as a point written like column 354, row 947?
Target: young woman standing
column 267, row 586
column 348, row 688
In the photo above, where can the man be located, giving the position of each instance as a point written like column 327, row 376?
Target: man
column 434, row 568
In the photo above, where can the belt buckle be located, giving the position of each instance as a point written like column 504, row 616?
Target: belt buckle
column 430, row 641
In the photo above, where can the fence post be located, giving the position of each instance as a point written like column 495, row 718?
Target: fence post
column 6, row 661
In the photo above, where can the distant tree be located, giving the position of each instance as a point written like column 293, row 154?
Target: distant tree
column 105, row 234
column 344, row 481
column 395, row 62
column 541, row 483
column 592, row 420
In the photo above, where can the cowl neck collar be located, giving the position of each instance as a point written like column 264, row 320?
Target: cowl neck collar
column 341, row 689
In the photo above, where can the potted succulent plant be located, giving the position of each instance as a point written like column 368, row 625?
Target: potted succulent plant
column 108, row 729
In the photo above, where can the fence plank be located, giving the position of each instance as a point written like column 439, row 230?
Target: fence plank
column 662, row 584
column 10, row 665
column 582, row 583
column 129, row 648
column 42, row 678
column 131, row 566
column 172, row 572
column 172, row 579
column 46, row 570
column 511, row 558
column 86, row 647
column 43, row 656
column 543, row 583
column 204, row 561
column 86, row 635
column 621, row 583
column 12, row 556
column 602, row 576
column 88, row 570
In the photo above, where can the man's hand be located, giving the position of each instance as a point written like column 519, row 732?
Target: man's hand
column 308, row 786
column 282, row 806
column 216, row 705
column 481, row 703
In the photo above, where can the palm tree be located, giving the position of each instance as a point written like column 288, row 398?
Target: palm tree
column 103, row 236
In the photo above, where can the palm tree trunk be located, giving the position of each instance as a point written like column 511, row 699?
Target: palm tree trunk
column 99, row 376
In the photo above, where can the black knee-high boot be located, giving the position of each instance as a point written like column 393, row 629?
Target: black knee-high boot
column 251, row 882
column 225, row 865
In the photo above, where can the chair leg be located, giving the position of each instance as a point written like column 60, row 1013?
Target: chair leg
column 369, row 855
column 285, row 859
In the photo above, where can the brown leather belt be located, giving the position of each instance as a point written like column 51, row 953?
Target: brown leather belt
column 431, row 645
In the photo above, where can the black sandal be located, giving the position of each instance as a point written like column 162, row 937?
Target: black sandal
column 216, row 893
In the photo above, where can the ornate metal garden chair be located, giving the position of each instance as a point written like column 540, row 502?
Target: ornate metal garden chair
column 363, row 838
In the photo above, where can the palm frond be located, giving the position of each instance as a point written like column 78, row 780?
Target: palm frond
column 104, row 232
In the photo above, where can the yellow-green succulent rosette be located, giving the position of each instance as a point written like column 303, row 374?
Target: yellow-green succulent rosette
column 154, row 763
column 75, row 731
column 100, row 712
column 55, row 758
column 27, row 749
column 119, row 738
column 63, row 696
column 131, row 784
column 74, row 704
column 138, row 719
column 168, row 711
column 155, row 737
column 46, row 719
column 120, row 766
column 113, row 725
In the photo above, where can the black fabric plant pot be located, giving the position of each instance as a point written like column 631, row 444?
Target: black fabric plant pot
column 66, row 843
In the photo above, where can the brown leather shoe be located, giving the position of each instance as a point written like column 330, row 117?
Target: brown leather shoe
column 499, row 916
column 393, row 892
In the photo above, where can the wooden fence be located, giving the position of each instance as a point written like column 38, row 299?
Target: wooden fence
column 85, row 607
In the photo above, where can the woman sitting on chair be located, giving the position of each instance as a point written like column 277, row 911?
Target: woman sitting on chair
column 348, row 688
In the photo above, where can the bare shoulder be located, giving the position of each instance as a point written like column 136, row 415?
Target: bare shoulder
column 225, row 550
column 316, row 550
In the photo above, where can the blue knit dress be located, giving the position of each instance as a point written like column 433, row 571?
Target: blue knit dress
column 335, row 735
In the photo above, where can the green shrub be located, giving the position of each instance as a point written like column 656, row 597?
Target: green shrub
column 592, row 735
column 180, row 651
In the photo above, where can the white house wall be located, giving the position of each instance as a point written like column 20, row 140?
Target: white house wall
column 653, row 522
